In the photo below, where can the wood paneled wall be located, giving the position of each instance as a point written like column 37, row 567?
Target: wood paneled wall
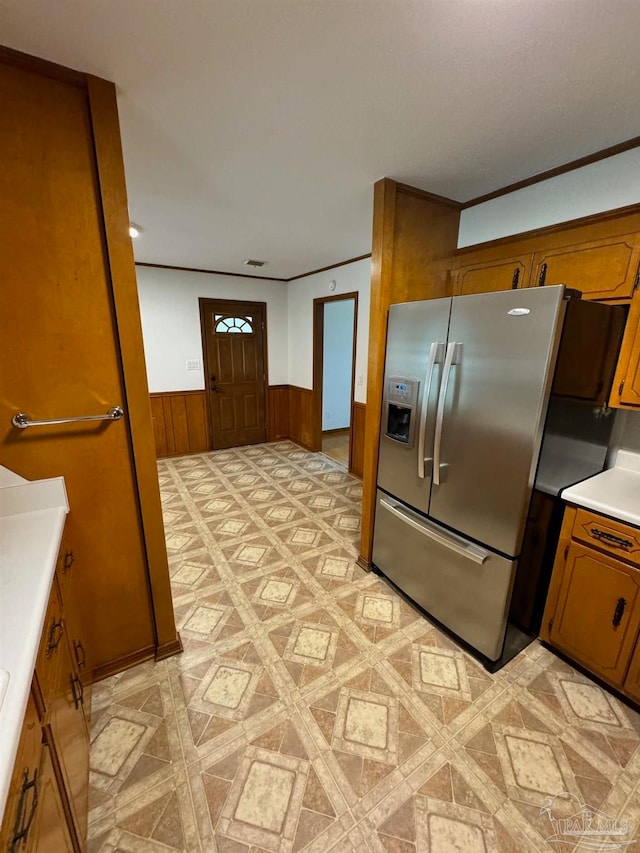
column 414, row 237
column 356, row 455
column 301, row 416
column 278, row 427
column 180, row 422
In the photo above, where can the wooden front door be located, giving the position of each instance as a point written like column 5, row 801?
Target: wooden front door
column 235, row 370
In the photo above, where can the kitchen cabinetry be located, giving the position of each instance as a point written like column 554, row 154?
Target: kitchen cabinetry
column 626, row 384
column 47, row 805
column 67, row 572
column 602, row 269
column 506, row 274
column 593, row 608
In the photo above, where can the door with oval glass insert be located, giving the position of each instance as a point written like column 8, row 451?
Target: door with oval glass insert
column 234, row 339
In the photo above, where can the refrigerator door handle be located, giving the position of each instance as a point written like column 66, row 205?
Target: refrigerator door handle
column 451, row 358
column 448, row 540
column 434, row 358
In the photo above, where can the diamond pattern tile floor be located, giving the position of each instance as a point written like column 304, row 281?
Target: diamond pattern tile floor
column 314, row 710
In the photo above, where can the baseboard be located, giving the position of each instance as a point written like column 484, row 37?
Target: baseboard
column 123, row 663
column 300, row 444
column 363, row 563
column 168, row 650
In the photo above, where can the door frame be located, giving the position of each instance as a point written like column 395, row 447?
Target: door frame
column 214, row 301
column 318, row 366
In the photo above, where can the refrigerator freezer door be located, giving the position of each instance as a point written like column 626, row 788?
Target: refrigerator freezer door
column 465, row 587
column 416, row 336
column 490, row 420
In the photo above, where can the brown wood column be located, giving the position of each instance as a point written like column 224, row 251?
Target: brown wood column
column 414, row 238
column 108, row 153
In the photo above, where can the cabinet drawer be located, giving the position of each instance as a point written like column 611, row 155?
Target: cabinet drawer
column 48, row 660
column 614, row 537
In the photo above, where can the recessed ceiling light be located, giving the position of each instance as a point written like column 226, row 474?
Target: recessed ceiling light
column 251, row 262
column 134, row 230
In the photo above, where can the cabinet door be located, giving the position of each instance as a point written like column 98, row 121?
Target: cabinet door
column 632, row 681
column 596, row 618
column 70, row 737
column 601, row 269
column 49, row 831
column 626, row 383
column 22, row 799
column 497, row 275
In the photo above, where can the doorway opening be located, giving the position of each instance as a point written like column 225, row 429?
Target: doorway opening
column 234, row 343
column 334, row 349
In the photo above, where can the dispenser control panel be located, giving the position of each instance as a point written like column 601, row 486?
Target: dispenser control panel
column 401, row 409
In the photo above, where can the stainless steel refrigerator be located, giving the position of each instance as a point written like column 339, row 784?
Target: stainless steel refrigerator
column 467, row 386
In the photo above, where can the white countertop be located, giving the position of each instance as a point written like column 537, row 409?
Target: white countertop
column 32, row 516
column 615, row 492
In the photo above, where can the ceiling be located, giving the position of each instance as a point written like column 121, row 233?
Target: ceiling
column 257, row 128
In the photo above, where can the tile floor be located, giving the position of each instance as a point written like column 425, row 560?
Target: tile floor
column 314, row 710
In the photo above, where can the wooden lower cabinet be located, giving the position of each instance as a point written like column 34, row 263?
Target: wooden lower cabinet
column 593, row 609
column 632, row 680
column 597, row 615
column 49, row 831
column 70, row 736
column 35, row 818
column 22, row 789
column 47, row 807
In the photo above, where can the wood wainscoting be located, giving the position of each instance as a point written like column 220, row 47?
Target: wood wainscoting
column 356, row 447
column 301, row 416
column 180, row 422
column 278, row 408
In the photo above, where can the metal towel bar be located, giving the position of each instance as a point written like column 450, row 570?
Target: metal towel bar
column 22, row 421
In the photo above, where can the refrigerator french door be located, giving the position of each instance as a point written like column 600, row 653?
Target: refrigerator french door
column 466, row 388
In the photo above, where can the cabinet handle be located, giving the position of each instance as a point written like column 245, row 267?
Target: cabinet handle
column 543, row 275
column 81, row 657
column 618, row 612
column 22, row 829
column 610, row 539
column 78, row 691
column 515, row 279
column 56, row 631
column 68, row 561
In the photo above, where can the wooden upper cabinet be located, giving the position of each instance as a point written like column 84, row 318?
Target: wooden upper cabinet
column 626, row 383
column 601, row 269
column 496, row 275
column 597, row 613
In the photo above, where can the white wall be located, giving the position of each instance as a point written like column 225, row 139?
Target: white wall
column 337, row 363
column 351, row 277
column 171, row 323
column 605, row 185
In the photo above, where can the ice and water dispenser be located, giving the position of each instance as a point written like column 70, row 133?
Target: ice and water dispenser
column 400, row 409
